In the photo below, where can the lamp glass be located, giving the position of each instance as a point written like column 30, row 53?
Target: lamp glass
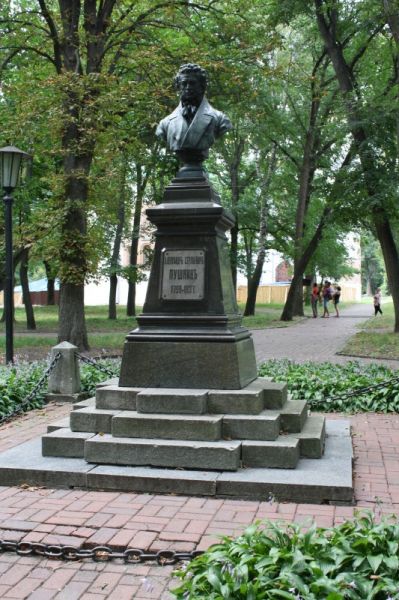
column 10, row 165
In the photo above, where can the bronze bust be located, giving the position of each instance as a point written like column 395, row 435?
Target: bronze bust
column 191, row 129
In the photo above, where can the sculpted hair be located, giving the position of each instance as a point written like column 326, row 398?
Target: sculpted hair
column 194, row 69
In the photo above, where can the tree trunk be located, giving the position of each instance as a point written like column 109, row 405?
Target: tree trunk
column 131, row 296
column 26, row 298
column 73, row 263
column 50, row 284
column 113, row 280
column 71, row 315
column 298, row 297
column 391, row 259
column 253, row 284
column 235, row 197
column 292, row 297
column 296, row 283
column 72, row 324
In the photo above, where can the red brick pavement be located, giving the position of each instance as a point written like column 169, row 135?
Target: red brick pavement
column 156, row 522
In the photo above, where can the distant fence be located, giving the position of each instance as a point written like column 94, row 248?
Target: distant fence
column 277, row 294
column 37, row 298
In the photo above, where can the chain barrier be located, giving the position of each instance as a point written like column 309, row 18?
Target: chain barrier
column 355, row 392
column 25, row 402
column 130, row 556
column 91, row 361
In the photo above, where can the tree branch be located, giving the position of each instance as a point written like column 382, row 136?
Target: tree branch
column 53, row 34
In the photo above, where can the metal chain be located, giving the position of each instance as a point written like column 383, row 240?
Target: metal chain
column 25, row 402
column 91, row 361
column 130, row 556
column 356, row 392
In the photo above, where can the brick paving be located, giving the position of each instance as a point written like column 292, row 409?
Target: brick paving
column 154, row 522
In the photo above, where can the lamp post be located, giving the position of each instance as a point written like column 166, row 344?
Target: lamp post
column 10, row 165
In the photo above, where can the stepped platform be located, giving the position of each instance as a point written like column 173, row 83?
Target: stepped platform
column 248, row 443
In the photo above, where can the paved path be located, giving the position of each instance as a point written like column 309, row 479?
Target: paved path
column 314, row 339
column 153, row 522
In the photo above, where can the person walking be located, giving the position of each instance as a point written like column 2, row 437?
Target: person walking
column 327, row 295
column 377, row 302
column 315, row 299
column 336, row 297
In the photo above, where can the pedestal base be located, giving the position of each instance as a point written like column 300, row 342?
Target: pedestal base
column 206, row 365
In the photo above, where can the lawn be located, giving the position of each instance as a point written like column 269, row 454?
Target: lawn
column 105, row 335
column 376, row 339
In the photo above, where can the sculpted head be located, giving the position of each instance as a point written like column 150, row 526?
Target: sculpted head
column 191, row 81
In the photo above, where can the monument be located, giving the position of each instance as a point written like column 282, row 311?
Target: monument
column 188, row 413
column 190, row 334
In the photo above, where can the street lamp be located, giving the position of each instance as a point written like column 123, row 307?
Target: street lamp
column 10, row 165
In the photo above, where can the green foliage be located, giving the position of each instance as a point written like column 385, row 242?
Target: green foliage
column 90, row 376
column 18, row 381
column 320, row 383
column 353, row 561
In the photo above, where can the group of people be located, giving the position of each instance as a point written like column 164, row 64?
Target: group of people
column 325, row 294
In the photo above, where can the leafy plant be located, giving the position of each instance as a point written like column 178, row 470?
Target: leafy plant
column 327, row 386
column 356, row 560
column 19, row 380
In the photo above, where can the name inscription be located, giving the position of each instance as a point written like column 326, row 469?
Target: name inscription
column 183, row 275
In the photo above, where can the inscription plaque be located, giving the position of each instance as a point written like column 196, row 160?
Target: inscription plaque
column 183, row 275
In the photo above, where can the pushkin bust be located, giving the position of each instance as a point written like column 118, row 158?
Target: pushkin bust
column 191, row 129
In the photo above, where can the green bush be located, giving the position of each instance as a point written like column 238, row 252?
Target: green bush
column 18, row 381
column 357, row 560
column 321, row 383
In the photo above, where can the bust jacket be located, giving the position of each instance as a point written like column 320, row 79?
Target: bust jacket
column 207, row 125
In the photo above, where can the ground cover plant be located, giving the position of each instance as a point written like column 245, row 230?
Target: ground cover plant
column 18, row 381
column 356, row 560
column 326, row 386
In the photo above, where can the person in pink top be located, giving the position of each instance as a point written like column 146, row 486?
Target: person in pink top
column 314, row 299
column 327, row 296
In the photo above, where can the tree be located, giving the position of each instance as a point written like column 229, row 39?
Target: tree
column 88, row 44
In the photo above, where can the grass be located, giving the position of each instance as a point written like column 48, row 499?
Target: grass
column 376, row 340
column 104, row 334
column 96, row 319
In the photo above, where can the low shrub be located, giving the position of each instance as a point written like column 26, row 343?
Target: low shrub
column 18, row 381
column 357, row 560
column 326, row 385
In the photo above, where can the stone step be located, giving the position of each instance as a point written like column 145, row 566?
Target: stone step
column 92, row 420
column 167, row 427
column 293, row 415
column 61, row 424
column 312, row 437
column 84, row 403
column 282, row 453
column 65, row 443
column 172, row 401
column 111, row 381
column 275, row 394
column 249, row 400
column 113, row 397
column 253, row 427
column 219, row 456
